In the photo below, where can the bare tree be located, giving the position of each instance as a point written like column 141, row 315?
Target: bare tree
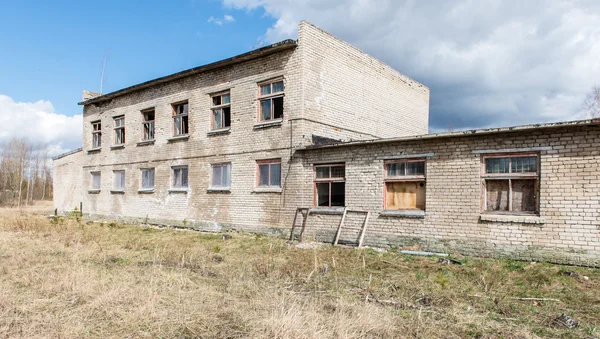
column 592, row 102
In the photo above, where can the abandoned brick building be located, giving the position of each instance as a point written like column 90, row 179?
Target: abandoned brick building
column 316, row 123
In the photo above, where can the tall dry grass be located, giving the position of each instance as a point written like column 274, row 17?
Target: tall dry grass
column 65, row 278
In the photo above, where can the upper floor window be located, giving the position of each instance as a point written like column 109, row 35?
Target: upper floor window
column 180, row 177
column 148, row 124
column 269, row 173
column 119, row 130
column 95, row 180
column 221, row 175
column 96, row 134
column 271, row 100
column 511, row 183
column 119, row 183
column 330, row 185
column 221, row 110
column 180, row 119
column 404, row 184
column 147, row 178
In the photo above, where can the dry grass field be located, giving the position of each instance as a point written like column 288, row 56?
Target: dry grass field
column 66, row 278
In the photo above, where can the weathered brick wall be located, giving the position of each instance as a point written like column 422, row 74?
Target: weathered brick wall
column 567, row 229
column 67, row 181
column 348, row 88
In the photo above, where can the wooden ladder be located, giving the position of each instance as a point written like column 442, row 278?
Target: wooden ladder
column 305, row 212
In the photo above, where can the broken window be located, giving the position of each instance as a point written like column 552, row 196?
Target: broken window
column 269, row 173
column 510, row 183
column 221, row 110
column 148, row 124
column 95, row 180
column 119, row 184
column 96, row 134
column 404, row 184
column 221, row 175
column 180, row 119
column 180, row 177
column 147, row 178
column 330, row 185
column 119, row 130
column 271, row 100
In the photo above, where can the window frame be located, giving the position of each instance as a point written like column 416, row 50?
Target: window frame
column 212, row 167
column 328, row 180
column 119, row 130
column 221, row 107
column 115, row 188
column 96, row 134
column 174, row 177
column 93, row 174
column 142, row 170
column 270, row 97
column 510, row 176
column 268, row 162
column 176, row 115
column 403, row 178
column 150, row 123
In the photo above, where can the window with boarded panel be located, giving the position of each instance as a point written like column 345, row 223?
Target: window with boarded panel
column 405, row 183
column 511, row 183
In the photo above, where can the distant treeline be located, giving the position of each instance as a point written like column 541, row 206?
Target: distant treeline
column 25, row 175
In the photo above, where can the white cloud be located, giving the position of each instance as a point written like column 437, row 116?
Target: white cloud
column 221, row 21
column 487, row 63
column 39, row 123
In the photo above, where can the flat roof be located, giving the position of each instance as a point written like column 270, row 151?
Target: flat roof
column 467, row 133
column 67, row 153
column 254, row 54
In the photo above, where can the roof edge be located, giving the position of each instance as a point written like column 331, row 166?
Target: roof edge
column 466, row 133
column 67, row 153
column 251, row 55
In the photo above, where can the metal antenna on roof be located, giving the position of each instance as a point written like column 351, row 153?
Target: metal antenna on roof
column 103, row 68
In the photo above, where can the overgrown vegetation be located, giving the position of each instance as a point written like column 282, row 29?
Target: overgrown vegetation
column 63, row 277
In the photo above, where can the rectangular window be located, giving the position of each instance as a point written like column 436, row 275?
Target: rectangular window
column 270, row 98
column 148, row 124
column 221, row 175
column 180, row 177
column 269, row 173
column 96, row 134
column 511, row 183
column 147, row 178
column 404, row 184
column 95, row 180
column 119, row 130
column 119, row 184
column 330, row 185
column 180, row 119
column 221, row 110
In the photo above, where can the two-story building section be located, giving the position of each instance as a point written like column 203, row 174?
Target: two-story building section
column 212, row 146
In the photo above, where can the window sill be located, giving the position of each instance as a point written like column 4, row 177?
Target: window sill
column 267, row 124
column 93, row 191
column 117, row 192
column 219, row 190
column 523, row 219
column 219, row 131
column 178, row 138
column 117, row 146
column 327, row 210
column 94, row 150
column 267, row 190
column 178, row 190
column 146, row 191
column 419, row 214
column 145, row 142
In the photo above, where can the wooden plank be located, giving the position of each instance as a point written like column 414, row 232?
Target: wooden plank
column 364, row 230
column 294, row 224
column 339, row 230
column 304, row 224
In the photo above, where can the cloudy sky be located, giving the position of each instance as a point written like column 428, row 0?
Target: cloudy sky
column 487, row 63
